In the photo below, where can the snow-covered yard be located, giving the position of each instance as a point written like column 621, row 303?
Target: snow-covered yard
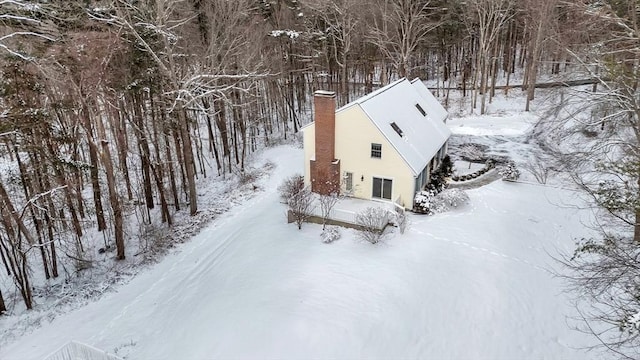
column 465, row 167
column 473, row 283
column 477, row 282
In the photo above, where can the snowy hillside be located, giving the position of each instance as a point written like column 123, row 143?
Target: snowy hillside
column 473, row 283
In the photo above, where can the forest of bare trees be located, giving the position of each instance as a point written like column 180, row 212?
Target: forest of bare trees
column 113, row 108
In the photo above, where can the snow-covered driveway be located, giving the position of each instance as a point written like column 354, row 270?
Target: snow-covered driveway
column 468, row 284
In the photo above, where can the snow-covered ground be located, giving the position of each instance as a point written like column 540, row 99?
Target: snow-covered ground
column 476, row 282
column 465, row 167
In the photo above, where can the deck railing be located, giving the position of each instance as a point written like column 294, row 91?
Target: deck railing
column 349, row 217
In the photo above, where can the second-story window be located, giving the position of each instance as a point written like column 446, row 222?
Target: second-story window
column 376, row 151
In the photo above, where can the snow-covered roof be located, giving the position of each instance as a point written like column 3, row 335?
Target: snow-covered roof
column 410, row 117
column 438, row 112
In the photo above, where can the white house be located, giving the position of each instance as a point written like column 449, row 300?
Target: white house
column 382, row 146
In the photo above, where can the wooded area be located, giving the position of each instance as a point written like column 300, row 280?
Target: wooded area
column 110, row 109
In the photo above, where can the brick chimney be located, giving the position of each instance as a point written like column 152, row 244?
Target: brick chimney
column 325, row 169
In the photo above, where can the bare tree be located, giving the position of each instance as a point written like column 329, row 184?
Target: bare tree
column 161, row 21
column 300, row 206
column 329, row 195
column 540, row 169
column 605, row 126
column 486, row 20
column 290, row 187
column 540, row 24
column 342, row 19
column 327, row 203
column 399, row 28
column 372, row 222
column 19, row 20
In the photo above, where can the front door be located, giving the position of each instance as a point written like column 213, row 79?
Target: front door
column 382, row 188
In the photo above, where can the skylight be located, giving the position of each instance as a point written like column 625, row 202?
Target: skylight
column 396, row 128
column 424, row 113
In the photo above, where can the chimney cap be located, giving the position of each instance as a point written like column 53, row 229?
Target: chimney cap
column 326, row 93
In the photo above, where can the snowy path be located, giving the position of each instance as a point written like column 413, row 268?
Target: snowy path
column 469, row 284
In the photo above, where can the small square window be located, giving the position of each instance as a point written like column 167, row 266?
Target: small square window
column 376, row 151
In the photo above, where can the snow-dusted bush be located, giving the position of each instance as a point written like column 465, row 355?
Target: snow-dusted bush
column 428, row 202
column 330, row 234
column 509, row 172
column 437, row 182
column 300, row 206
column 372, row 221
column 539, row 169
column 292, row 34
column 489, row 164
column 446, row 167
column 247, row 176
column 422, row 201
column 290, row 187
column 472, row 152
column 452, row 198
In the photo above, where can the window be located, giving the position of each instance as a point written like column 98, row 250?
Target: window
column 376, row 151
column 396, row 128
column 424, row 113
column 382, row 188
column 348, row 181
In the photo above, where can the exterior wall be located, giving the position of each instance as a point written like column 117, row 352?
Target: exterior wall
column 354, row 135
column 423, row 177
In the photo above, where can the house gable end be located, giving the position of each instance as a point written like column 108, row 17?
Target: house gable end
column 385, row 135
column 355, row 135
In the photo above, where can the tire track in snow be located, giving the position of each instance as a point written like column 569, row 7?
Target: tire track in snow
column 180, row 262
column 484, row 250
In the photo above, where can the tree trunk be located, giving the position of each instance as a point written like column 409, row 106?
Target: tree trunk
column 187, row 153
column 172, row 176
column 29, row 187
column 221, row 124
column 17, row 260
column 3, row 307
column 119, row 130
column 213, row 148
column 143, row 144
column 114, row 198
column 63, row 182
column 4, row 198
column 157, row 168
column 636, row 228
column 532, row 64
column 93, row 157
